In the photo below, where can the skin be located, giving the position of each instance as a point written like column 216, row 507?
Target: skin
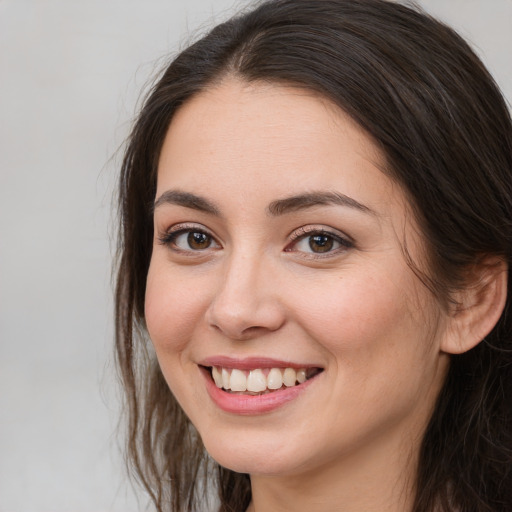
column 350, row 439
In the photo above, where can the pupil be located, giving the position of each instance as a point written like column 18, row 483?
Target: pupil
column 198, row 240
column 321, row 243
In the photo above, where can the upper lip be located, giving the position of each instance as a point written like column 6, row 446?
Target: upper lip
column 251, row 363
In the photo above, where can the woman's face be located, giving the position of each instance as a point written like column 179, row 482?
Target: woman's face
column 279, row 244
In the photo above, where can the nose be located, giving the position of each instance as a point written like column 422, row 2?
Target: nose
column 246, row 303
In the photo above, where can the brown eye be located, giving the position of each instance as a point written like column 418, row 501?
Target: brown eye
column 198, row 241
column 318, row 242
column 321, row 243
column 189, row 240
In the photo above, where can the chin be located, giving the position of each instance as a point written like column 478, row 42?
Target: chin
column 253, row 456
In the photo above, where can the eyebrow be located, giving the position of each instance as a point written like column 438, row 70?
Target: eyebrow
column 187, row 200
column 312, row 199
column 275, row 208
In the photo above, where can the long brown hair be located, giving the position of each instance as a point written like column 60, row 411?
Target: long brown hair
column 427, row 100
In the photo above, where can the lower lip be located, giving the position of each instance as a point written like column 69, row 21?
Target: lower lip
column 252, row 404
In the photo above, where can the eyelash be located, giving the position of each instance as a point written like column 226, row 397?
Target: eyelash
column 169, row 239
column 306, row 232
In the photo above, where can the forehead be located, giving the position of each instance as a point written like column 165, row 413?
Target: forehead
column 257, row 134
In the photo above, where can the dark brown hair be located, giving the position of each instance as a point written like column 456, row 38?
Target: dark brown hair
column 429, row 103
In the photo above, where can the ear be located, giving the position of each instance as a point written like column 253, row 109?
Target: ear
column 479, row 305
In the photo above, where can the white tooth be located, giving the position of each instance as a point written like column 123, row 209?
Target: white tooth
column 256, row 381
column 217, row 377
column 301, row 375
column 289, row 377
column 274, row 379
column 225, row 379
column 238, row 381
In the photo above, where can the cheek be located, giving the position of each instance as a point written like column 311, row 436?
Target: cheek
column 371, row 325
column 354, row 309
column 172, row 308
column 381, row 349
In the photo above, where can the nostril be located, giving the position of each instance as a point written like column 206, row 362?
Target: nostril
column 239, row 332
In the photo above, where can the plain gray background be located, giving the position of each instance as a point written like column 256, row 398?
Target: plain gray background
column 70, row 76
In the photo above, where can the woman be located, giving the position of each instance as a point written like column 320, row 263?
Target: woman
column 316, row 208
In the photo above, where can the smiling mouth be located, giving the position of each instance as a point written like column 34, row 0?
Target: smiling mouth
column 259, row 381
